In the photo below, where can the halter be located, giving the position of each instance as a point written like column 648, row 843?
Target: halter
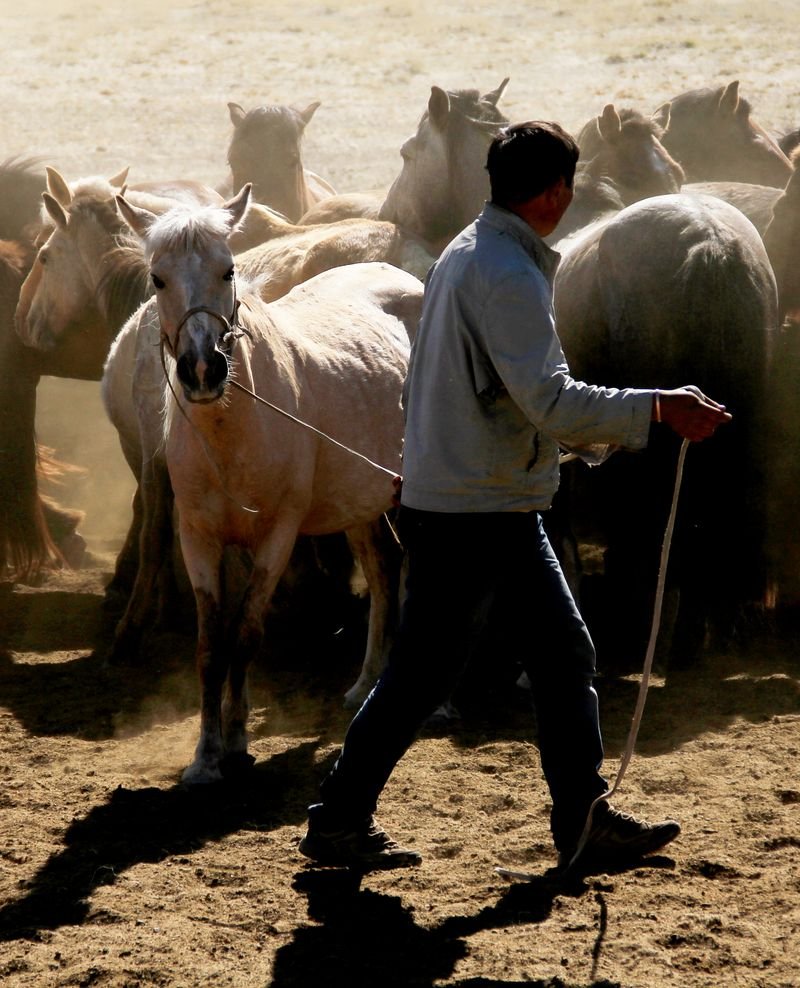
column 232, row 328
column 232, row 331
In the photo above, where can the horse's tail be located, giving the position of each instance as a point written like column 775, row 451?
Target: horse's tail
column 26, row 544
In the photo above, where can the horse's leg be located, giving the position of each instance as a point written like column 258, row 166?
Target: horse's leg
column 380, row 557
column 121, row 583
column 155, row 547
column 203, row 563
column 269, row 562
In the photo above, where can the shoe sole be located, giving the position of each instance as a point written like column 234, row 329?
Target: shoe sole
column 622, row 854
column 381, row 862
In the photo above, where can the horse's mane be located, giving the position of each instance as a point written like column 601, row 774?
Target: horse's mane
column 186, row 228
column 634, row 123
column 125, row 282
column 472, row 108
column 597, row 192
column 280, row 123
column 21, row 186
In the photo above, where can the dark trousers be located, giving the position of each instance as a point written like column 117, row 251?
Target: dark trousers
column 457, row 566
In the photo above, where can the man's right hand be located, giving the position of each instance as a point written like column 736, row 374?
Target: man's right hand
column 690, row 413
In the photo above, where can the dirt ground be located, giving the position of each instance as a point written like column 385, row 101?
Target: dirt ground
column 111, row 873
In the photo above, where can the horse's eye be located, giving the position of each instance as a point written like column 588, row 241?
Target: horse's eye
column 42, row 257
column 229, row 275
column 157, row 281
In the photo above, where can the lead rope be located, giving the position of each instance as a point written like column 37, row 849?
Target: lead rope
column 648, row 661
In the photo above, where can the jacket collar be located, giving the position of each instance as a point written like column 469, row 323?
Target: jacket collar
column 545, row 258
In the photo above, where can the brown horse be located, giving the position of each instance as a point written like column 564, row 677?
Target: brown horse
column 265, row 151
column 443, row 182
column 622, row 161
column 66, row 335
column 713, row 135
column 673, row 289
column 35, row 532
column 775, row 213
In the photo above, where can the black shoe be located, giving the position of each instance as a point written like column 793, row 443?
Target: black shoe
column 365, row 848
column 617, row 838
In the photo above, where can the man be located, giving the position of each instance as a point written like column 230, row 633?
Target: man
column 489, row 400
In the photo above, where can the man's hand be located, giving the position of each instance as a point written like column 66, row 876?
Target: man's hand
column 690, row 413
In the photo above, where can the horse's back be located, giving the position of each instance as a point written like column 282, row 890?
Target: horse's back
column 358, row 299
column 686, row 273
column 343, row 206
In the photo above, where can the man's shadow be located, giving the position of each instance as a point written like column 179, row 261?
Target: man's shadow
column 150, row 825
column 365, row 938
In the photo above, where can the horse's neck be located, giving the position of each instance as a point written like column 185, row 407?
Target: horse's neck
column 122, row 287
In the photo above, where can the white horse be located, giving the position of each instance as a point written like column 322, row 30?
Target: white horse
column 332, row 353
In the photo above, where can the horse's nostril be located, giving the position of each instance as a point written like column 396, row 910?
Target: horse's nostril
column 187, row 373
column 216, row 370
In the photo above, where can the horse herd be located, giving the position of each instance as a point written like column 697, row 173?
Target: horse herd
column 196, row 308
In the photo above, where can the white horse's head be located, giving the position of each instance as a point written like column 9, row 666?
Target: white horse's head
column 191, row 265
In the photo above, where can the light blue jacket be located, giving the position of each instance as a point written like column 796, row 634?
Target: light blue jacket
column 489, row 397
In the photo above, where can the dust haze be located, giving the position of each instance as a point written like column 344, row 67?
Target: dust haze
column 110, row 873
column 92, row 88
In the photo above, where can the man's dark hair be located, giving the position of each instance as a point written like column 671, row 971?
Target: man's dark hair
column 527, row 158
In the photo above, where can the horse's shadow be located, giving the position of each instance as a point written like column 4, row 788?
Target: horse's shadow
column 365, row 938
column 151, row 825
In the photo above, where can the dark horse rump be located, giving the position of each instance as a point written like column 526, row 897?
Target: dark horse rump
column 674, row 291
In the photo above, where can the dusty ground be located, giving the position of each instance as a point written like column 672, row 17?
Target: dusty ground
column 112, row 874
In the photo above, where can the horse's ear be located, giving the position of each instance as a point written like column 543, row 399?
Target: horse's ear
column 662, row 114
column 308, row 113
column 729, row 98
column 57, row 187
column 55, row 210
column 138, row 219
column 438, row 107
column 237, row 113
column 792, row 189
column 120, row 178
column 496, row 95
column 238, row 206
column 609, row 123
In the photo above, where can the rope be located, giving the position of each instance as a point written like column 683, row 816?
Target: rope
column 392, row 473
column 648, row 661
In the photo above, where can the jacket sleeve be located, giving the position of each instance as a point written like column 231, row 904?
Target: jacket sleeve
column 518, row 329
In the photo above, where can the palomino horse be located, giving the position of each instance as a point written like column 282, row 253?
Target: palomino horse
column 712, row 134
column 675, row 289
column 443, row 182
column 333, row 354
column 289, row 256
column 622, row 161
column 265, row 151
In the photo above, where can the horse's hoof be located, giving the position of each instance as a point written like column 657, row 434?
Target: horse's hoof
column 73, row 548
column 200, row 775
column 444, row 716
column 237, row 764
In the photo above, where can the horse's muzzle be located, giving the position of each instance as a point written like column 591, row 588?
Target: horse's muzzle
column 203, row 381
